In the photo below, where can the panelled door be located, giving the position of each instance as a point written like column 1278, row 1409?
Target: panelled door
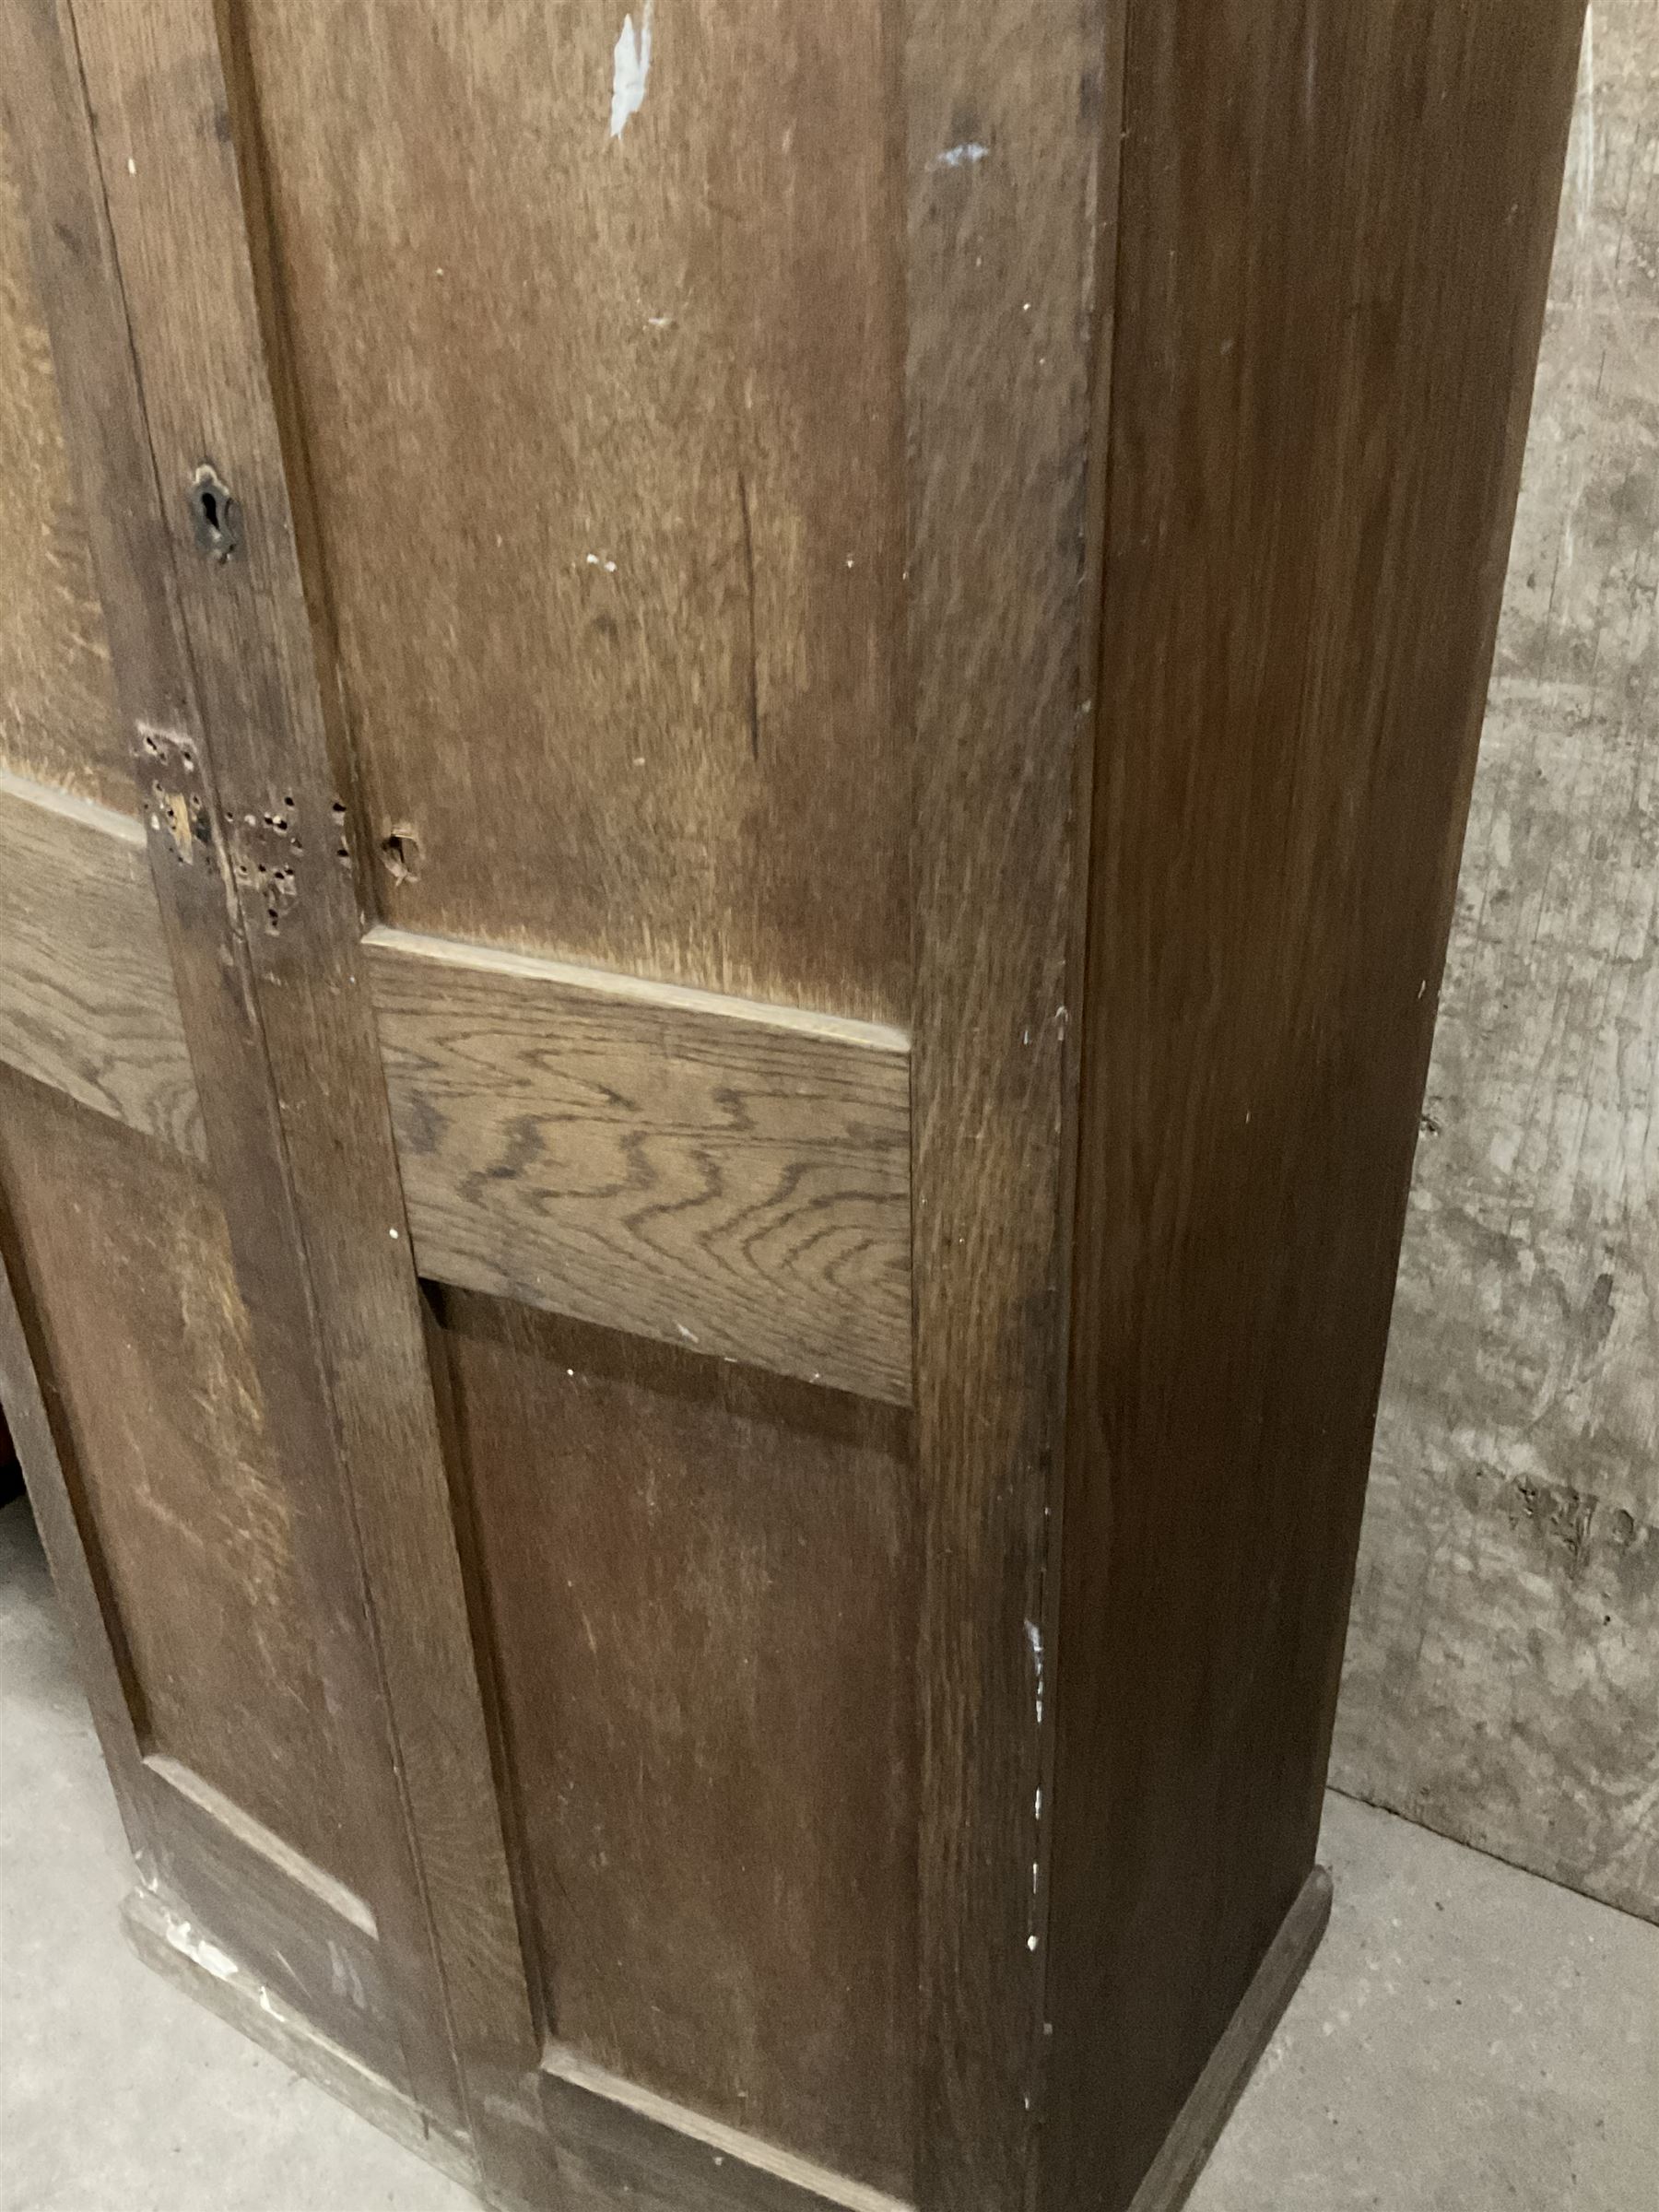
column 459, row 1183
column 459, row 1186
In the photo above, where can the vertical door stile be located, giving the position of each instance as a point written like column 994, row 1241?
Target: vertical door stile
column 144, row 174
column 1010, row 203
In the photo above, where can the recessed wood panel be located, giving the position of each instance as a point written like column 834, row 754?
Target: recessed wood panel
column 701, row 1592
column 126, row 1256
column 603, row 415
column 57, row 704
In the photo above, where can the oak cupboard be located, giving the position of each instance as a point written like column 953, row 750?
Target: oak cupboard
column 733, row 744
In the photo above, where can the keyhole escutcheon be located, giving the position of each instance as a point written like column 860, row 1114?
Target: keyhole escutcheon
column 214, row 514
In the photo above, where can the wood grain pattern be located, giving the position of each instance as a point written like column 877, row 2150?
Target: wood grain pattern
column 1009, row 114
column 1334, row 238
column 606, row 439
column 181, row 160
column 36, row 1418
column 701, row 1585
column 619, row 2142
column 716, row 545
column 699, row 1169
column 58, row 720
column 696, row 1169
column 125, row 1252
column 202, row 1861
column 86, row 998
column 157, row 73
column 239, row 1889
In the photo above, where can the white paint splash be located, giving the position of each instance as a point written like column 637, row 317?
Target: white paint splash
column 184, row 1939
column 1034, row 1639
column 344, row 1977
column 961, row 157
column 1583, row 127
column 631, row 66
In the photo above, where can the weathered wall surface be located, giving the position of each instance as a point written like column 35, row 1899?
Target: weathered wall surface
column 1502, row 1680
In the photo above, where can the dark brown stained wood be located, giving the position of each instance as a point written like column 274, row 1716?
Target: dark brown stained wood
column 181, row 162
column 35, row 1418
column 619, row 2144
column 86, row 998
column 185, row 1782
column 700, row 1170
column 1197, row 2127
column 1335, row 233
column 232, row 1891
column 700, row 1587
column 767, row 738
column 244, row 990
column 125, row 1254
column 1007, row 111
column 207, row 1870
column 57, row 707
column 607, row 445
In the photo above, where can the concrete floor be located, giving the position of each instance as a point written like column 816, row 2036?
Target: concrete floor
column 1468, row 2036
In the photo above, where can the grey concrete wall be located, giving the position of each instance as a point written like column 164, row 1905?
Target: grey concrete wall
column 1503, row 1679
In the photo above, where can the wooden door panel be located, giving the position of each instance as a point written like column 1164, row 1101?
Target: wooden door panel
column 605, row 439
column 126, row 1252
column 703, row 1612
column 153, row 1463
column 736, row 1062
column 87, row 1003
column 57, row 706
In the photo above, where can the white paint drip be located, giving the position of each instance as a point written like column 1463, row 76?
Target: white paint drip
column 1034, row 1638
column 630, row 67
column 344, row 1979
column 961, row 157
column 208, row 1955
column 1584, row 125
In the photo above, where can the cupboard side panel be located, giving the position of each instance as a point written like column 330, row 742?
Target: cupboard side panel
column 1336, row 230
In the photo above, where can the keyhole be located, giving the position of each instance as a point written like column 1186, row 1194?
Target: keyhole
column 215, row 513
